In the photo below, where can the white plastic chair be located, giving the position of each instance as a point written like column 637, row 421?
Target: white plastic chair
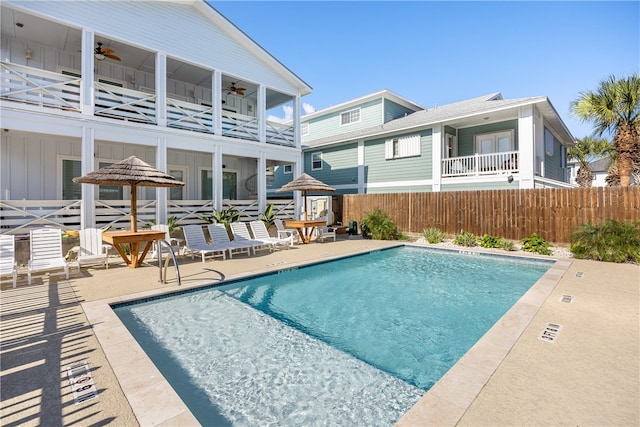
column 220, row 237
column 91, row 250
column 241, row 234
column 260, row 232
column 196, row 243
column 46, row 252
column 325, row 232
column 173, row 241
column 8, row 265
column 284, row 232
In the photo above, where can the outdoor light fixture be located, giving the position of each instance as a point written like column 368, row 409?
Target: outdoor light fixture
column 99, row 56
column 510, row 179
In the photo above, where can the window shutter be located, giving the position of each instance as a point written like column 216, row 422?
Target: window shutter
column 388, row 149
column 409, row 146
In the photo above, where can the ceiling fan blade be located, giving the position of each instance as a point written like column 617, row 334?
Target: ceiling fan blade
column 240, row 91
column 108, row 51
column 111, row 56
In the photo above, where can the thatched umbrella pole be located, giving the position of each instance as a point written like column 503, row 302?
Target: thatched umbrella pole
column 134, row 213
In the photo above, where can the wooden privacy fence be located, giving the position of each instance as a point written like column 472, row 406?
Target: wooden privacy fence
column 512, row 214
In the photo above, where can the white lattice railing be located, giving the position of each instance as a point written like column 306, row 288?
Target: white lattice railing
column 280, row 134
column 481, row 164
column 39, row 87
column 239, row 126
column 124, row 104
column 185, row 115
column 20, row 216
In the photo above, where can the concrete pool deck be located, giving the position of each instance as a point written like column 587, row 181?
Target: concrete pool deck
column 589, row 375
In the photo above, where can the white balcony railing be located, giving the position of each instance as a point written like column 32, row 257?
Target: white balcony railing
column 44, row 88
column 481, row 164
column 39, row 87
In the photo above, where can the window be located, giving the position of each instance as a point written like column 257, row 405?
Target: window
column 71, row 169
column 494, row 142
column 287, row 169
column 352, row 116
column 206, row 184
column 304, row 129
column 177, row 193
column 109, row 192
column 404, row 146
column 316, row 161
column 549, row 141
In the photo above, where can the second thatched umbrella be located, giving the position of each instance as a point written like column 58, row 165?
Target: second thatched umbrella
column 305, row 183
column 133, row 172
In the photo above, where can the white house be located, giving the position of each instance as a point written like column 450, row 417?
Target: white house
column 85, row 84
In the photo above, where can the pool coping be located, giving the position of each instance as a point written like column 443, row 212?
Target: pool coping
column 155, row 403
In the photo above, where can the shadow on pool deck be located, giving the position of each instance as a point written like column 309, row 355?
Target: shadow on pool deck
column 590, row 375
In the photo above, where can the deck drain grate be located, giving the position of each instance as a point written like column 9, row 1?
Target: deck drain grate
column 551, row 332
column 567, row 298
column 81, row 382
column 579, row 274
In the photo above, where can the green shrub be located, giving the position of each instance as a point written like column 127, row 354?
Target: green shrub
column 433, row 235
column 377, row 225
column 268, row 217
column 465, row 238
column 536, row 244
column 508, row 245
column 223, row 216
column 612, row 241
column 487, row 241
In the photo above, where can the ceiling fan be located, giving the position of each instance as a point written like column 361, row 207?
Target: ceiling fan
column 233, row 89
column 101, row 53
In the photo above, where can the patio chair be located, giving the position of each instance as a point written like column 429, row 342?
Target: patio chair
column 220, row 237
column 325, row 232
column 196, row 243
column 46, row 252
column 8, row 265
column 260, row 232
column 284, row 232
column 174, row 242
column 91, row 250
column 241, row 234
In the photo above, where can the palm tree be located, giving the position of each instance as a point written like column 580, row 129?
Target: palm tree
column 615, row 107
column 585, row 150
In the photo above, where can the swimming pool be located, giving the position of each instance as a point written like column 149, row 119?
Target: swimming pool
column 233, row 365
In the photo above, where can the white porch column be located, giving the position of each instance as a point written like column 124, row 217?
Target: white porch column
column 262, row 181
column 161, row 89
column 297, row 138
column 436, row 157
column 216, row 102
column 216, row 176
column 298, row 168
column 161, row 192
column 262, row 113
column 87, row 70
column 87, row 207
column 526, row 146
column 361, row 165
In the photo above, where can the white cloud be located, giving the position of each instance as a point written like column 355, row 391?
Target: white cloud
column 288, row 115
column 308, row 108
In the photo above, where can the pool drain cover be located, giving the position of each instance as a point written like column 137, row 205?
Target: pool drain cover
column 551, row 332
column 81, row 382
column 567, row 298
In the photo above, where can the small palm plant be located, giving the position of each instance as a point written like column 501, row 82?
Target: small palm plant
column 377, row 225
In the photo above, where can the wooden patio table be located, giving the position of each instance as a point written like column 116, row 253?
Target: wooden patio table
column 305, row 227
column 137, row 240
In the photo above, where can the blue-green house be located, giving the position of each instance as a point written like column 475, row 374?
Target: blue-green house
column 383, row 143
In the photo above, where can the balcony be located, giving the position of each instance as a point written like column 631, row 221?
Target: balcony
column 481, row 164
column 42, row 88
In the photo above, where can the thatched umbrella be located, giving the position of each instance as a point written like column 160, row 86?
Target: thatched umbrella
column 305, row 183
column 134, row 172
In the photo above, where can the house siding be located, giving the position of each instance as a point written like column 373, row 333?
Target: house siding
column 553, row 165
column 339, row 166
column 394, row 111
column 466, row 146
column 329, row 125
column 492, row 185
column 378, row 169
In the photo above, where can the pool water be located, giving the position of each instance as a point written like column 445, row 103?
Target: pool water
column 350, row 342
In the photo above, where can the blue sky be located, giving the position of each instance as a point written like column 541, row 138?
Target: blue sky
column 441, row 52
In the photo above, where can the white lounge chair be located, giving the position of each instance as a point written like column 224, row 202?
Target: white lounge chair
column 196, row 243
column 241, row 234
column 220, row 237
column 91, row 250
column 8, row 265
column 46, row 252
column 284, row 232
column 260, row 232
column 325, row 232
column 173, row 241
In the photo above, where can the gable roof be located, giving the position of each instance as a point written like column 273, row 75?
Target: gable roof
column 382, row 94
column 461, row 113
